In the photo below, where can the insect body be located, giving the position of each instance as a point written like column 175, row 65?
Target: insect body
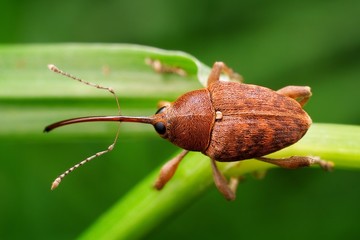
column 227, row 121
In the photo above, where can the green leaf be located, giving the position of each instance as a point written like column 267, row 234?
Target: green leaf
column 26, row 81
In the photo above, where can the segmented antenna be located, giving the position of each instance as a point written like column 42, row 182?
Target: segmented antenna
column 57, row 181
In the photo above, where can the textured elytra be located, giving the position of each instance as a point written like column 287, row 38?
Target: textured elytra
column 256, row 121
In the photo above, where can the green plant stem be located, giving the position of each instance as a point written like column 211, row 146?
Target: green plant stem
column 144, row 208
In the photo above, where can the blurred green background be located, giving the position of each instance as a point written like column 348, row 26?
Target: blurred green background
column 271, row 43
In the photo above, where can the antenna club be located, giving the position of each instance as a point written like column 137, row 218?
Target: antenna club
column 53, row 68
column 56, row 183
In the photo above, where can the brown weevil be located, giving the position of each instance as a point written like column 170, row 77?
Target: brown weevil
column 227, row 121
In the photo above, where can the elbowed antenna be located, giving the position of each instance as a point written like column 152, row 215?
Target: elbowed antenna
column 119, row 118
column 147, row 120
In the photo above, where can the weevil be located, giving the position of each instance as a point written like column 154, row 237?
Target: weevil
column 227, row 121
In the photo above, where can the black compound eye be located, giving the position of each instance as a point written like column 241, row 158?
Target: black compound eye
column 160, row 128
column 160, row 110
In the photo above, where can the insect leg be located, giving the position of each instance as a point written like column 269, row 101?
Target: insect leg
column 298, row 162
column 226, row 189
column 168, row 170
column 300, row 93
column 163, row 104
column 220, row 67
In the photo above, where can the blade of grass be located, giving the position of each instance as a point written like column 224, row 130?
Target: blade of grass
column 27, row 64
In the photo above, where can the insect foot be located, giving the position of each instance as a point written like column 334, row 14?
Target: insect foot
column 298, row 162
